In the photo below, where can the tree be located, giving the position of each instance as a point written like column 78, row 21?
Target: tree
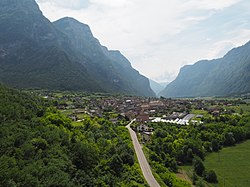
column 198, row 165
column 39, row 143
column 116, row 164
column 241, row 111
column 215, row 145
column 211, row 176
column 84, row 155
column 229, row 139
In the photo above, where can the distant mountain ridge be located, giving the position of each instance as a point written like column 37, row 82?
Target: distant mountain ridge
column 64, row 55
column 219, row 77
column 156, row 87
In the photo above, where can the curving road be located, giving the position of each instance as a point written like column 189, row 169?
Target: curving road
column 146, row 170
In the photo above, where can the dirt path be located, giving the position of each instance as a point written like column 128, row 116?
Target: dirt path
column 183, row 175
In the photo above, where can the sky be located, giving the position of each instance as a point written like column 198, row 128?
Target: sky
column 160, row 36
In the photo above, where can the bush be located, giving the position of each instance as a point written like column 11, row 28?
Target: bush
column 199, row 168
column 211, row 177
column 200, row 183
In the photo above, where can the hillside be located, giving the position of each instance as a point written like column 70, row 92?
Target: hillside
column 220, row 77
column 41, row 147
column 113, row 71
column 35, row 53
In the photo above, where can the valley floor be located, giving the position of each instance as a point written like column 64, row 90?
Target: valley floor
column 232, row 165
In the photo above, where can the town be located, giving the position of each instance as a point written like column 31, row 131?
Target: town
column 121, row 109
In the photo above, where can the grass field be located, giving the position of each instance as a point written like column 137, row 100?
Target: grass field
column 232, row 165
column 244, row 107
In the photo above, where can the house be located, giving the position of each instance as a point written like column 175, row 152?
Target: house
column 145, row 131
column 199, row 116
column 73, row 117
column 216, row 113
column 114, row 120
column 144, row 128
column 146, row 136
column 130, row 114
column 142, row 117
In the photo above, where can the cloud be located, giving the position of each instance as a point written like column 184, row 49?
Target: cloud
column 73, row 5
column 165, row 77
column 160, row 36
column 208, row 5
column 111, row 3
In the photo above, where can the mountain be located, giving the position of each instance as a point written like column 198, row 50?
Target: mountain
column 219, row 77
column 156, row 87
column 164, row 84
column 64, row 55
column 116, row 71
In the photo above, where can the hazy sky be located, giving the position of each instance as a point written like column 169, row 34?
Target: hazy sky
column 160, row 36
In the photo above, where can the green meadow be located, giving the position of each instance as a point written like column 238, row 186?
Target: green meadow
column 232, row 165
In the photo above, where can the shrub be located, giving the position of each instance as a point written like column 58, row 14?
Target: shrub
column 199, row 168
column 211, row 177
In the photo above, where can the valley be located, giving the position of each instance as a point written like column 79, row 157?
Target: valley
column 188, row 129
column 74, row 112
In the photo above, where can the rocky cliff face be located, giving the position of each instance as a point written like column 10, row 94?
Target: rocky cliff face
column 63, row 55
column 220, row 77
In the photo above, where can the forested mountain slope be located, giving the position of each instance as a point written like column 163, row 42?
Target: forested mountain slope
column 40, row 147
column 219, row 77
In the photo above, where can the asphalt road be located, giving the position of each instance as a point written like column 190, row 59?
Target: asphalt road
column 146, row 170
